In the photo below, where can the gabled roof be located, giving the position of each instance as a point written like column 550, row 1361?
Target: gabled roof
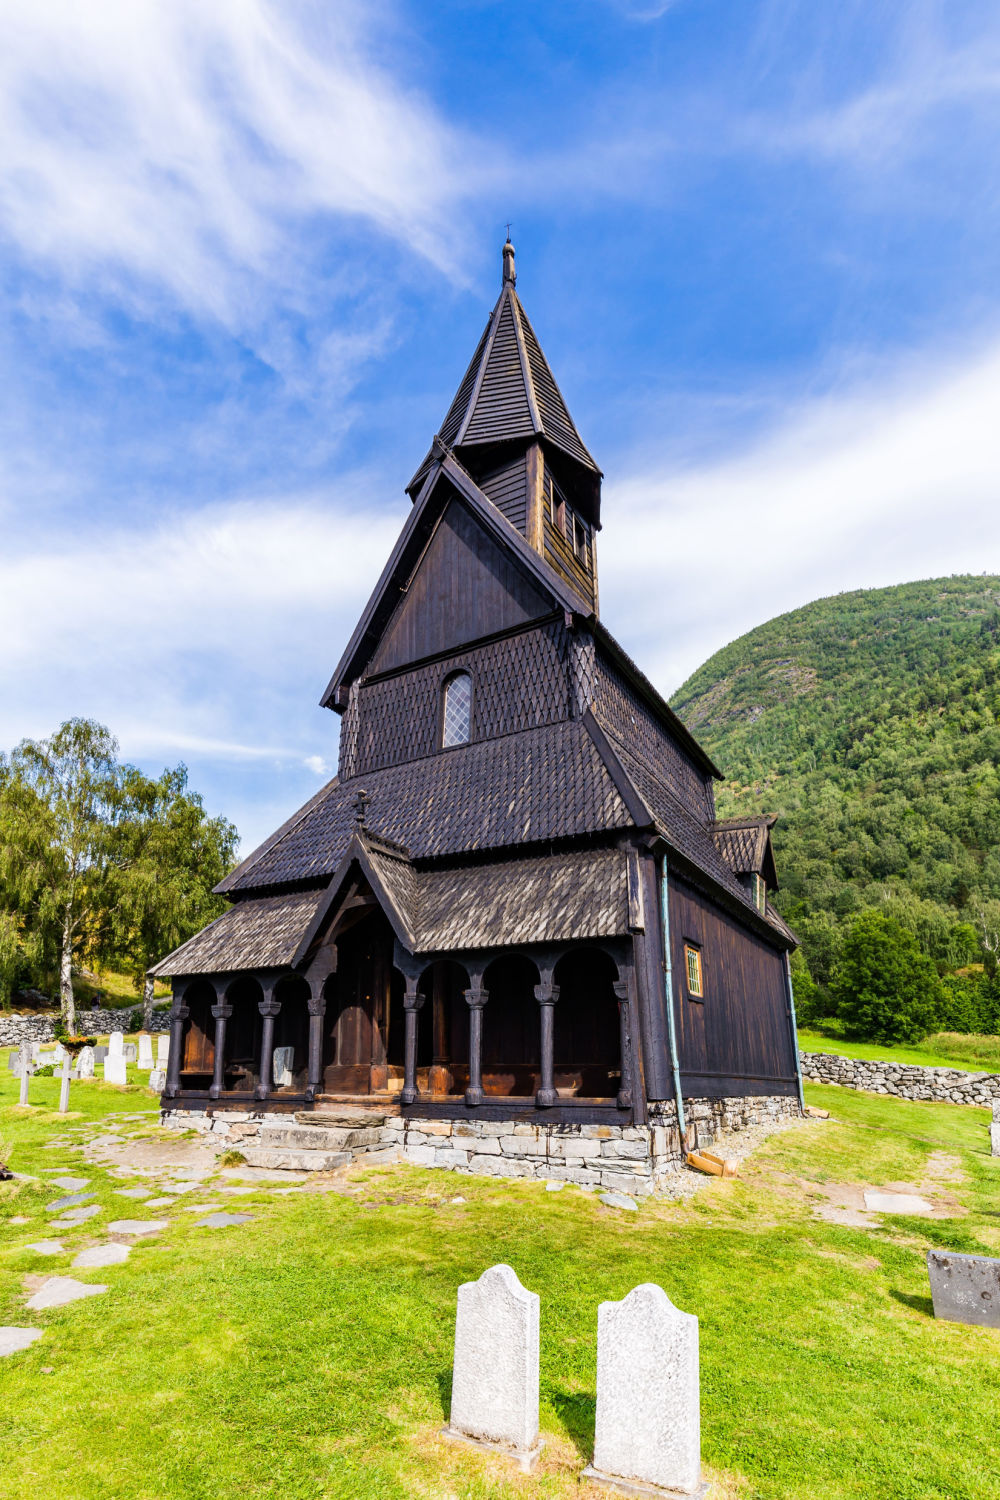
column 509, row 391
column 262, row 933
column 745, row 845
column 445, row 478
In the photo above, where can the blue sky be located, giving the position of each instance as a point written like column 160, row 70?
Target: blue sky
column 247, row 250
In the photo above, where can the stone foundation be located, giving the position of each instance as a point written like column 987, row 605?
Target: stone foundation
column 634, row 1159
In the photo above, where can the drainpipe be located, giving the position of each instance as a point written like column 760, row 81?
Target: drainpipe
column 795, row 1030
column 668, row 988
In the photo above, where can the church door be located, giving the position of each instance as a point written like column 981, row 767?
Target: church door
column 358, row 1011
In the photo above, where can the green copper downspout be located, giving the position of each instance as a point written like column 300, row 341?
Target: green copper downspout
column 795, row 1029
column 668, row 987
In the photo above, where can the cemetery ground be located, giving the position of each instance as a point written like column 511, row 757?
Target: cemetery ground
column 306, row 1352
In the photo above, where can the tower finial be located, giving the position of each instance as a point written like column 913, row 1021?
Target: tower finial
column 509, row 273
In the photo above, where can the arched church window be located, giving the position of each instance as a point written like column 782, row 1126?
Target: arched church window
column 457, row 718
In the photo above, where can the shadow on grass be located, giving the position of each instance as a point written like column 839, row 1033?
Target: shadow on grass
column 919, row 1304
column 444, row 1391
column 576, row 1411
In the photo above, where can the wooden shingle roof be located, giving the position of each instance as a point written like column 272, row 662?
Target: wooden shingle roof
column 745, row 845
column 509, row 390
column 542, row 784
column 261, row 933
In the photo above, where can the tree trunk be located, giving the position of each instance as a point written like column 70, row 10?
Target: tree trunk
column 147, row 1003
column 67, row 1005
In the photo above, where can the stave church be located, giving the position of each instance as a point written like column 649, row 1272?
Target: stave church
column 510, row 936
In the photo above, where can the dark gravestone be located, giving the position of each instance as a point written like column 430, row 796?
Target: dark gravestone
column 100, row 1053
column 965, row 1288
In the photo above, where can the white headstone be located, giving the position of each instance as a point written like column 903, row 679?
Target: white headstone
column 114, row 1068
column 494, row 1394
column 116, row 1044
column 24, row 1058
column 158, row 1080
column 162, row 1050
column 86, row 1062
column 145, row 1050
column 648, row 1427
column 995, row 1129
column 284, row 1062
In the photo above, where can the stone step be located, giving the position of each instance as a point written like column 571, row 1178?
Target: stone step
column 342, row 1116
column 310, row 1138
column 295, row 1161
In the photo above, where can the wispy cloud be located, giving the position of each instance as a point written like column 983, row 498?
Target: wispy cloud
column 893, row 481
column 184, row 147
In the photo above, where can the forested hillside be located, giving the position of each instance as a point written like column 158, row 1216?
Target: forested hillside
column 871, row 722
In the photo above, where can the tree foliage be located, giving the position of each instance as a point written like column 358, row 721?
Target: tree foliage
column 99, row 862
column 884, row 986
column 871, row 723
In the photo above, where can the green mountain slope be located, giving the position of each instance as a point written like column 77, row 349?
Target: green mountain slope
column 871, row 722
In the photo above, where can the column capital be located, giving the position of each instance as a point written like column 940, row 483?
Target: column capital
column 222, row 1012
column 546, row 993
column 179, row 1011
column 317, row 1004
column 621, row 989
column 269, row 1006
column 413, row 999
column 476, row 997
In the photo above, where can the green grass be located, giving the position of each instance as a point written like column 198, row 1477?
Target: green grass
column 308, row 1354
column 945, row 1049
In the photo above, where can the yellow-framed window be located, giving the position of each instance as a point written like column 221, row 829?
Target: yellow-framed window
column 759, row 892
column 692, row 968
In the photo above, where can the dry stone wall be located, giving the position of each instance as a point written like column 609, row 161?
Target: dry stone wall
column 903, row 1080
column 15, row 1029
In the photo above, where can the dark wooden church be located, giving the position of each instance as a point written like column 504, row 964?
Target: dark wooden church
column 514, row 902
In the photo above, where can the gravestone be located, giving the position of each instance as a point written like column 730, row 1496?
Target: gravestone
column 162, row 1050
column 158, row 1080
column 995, row 1129
column 115, row 1068
column 648, row 1427
column 66, row 1074
column 965, row 1288
column 494, row 1395
column 145, row 1050
column 24, row 1059
column 85, row 1062
column 284, row 1062
column 100, row 1054
column 130, row 1052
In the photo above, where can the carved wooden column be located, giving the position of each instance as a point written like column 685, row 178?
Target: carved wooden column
column 179, row 1013
column 317, row 1010
column 476, row 997
column 547, row 994
column 412, row 1003
column 222, row 1012
column 624, row 1100
column 269, row 1009
column 439, row 1080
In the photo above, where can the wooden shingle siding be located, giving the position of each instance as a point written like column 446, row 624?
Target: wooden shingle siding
column 507, row 487
column 556, row 420
column 518, row 682
column 631, row 724
column 740, row 1028
column 458, row 408
column 464, row 587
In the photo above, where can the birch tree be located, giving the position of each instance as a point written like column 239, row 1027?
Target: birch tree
column 60, row 799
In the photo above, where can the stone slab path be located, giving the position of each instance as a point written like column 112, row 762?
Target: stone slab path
column 71, row 1202
column 897, row 1203
column 47, row 1247
column 102, row 1255
column 59, row 1290
column 138, row 1227
column 222, row 1221
column 13, row 1340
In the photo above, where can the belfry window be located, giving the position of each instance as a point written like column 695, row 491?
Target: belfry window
column 457, row 716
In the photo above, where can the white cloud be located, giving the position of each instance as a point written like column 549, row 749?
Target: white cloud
column 186, row 144
column 896, row 481
column 213, row 633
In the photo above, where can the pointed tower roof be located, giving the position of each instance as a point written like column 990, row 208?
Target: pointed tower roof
column 509, row 391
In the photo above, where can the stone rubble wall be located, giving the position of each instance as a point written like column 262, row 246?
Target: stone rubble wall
column 15, row 1029
column 902, row 1080
column 634, row 1159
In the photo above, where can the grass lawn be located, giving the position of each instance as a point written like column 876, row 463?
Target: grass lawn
column 308, row 1354
column 945, row 1049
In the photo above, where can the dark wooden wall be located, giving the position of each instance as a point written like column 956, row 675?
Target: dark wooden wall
column 464, row 587
column 736, row 1040
column 507, row 487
